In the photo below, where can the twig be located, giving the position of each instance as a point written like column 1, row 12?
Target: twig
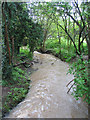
column 70, row 87
column 69, row 82
column 23, row 63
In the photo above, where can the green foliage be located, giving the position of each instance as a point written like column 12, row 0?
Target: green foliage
column 13, row 98
column 18, row 86
column 16, row 77
column 16, row 94
column 26, row 52
column 66, row 54
column 19, row 77
column 17, row 74
column 6, row 68
column 21, row 29
column 52, row 43
column 80, row 71
column 7, row 73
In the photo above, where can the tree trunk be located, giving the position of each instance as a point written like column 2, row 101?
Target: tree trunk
column 68, row 32
column 6, row 37
column 88, row 45
column 59, row 42
column 45, row 36
column 18, row 49
column 12, row 39
column 74, row 29
column 46, row 31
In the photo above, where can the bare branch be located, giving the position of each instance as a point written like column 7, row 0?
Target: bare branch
column 70, row 82
column 74, row 19
column 79, row 12
column 70, row 87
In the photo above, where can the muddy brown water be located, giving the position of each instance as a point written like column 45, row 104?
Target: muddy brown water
column 47, row 97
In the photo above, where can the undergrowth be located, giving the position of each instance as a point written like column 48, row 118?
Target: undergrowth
column 19, row 86
column 66, row 51
column 80, row 71
column 25, row 50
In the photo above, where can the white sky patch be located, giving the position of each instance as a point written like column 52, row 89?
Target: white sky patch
column 48, row 0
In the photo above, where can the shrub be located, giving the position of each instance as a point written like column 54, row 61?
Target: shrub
column 13, row 98
column 81, row 82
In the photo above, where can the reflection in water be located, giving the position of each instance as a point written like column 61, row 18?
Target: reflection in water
column 48, row 96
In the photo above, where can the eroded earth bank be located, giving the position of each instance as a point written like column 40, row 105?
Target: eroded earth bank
column 47, row 97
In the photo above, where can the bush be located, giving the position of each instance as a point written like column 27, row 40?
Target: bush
column 25, row 50
column 80, row 71
column 13, row 98
column 19, row 86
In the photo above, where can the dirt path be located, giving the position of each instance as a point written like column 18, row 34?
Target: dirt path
column 48, row 96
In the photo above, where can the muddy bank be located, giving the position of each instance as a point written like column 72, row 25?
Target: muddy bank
column 48, row 96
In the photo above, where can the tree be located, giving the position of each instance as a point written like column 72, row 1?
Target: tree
column 38, row 11
column 16, row 26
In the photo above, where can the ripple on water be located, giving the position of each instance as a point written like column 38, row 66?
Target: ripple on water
column 17, row 112
column 42, row 108
column 34, row 111
column 48, row 98
column 55, row 103
column 24, row 102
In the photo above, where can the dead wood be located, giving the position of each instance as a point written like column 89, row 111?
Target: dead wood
column 69, row 82
column 23, row 63
column 70, row 87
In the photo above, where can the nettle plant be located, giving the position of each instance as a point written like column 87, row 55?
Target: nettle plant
column 81, row 81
